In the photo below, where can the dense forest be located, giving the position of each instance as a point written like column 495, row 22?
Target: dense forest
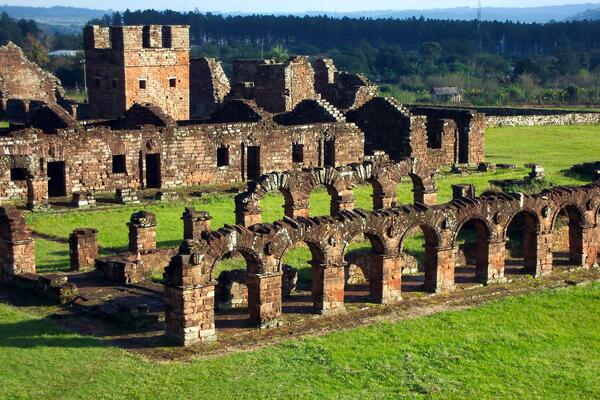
column 496, row 63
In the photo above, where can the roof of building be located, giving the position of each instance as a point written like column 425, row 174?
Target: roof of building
column 446, row 91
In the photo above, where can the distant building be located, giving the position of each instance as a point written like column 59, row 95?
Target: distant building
column 446, row 95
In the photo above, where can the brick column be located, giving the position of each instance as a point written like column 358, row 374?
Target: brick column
column 343, row 202
column 425, row 196
column 328, row 287
column 439, row 269
column 17, row 247
column 264, row 298
column 589, row 246
column 189, row 297
column 83, row 248
column 386, row 278
column 296, row 209
column 37, row 193
column 142, row 232
column 538, row 255
column 194, row 223
column 491, row 269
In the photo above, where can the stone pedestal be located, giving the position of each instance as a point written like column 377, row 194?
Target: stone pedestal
column 37, row 194
column 126, row 196
column 17, row 246
column 439, row 275
column 264, row 298
column 328, row 288
column 194, row 223
column 386, row 278
column 83, row 248
column 296, row 210
column 83, row 200
column 142, row 232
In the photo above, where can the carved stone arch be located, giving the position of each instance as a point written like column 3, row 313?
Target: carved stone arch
column 530, row 211
column 479, row 218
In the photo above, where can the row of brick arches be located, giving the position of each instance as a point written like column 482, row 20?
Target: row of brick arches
column 296, row 187
column 492, row 221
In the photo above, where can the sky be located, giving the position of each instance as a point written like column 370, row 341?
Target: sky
column 262, row 6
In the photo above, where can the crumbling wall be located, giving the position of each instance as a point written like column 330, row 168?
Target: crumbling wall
column 342, row 89
column 24, row 80
column 208, row 86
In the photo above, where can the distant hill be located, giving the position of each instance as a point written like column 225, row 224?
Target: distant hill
column 57, row 18
column 590, row 15
column 516, row 14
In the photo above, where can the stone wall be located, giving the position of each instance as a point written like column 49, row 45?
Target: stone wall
column 390, row 127
column 535, row 120
column 342, row 89
column 24, row 80
column 166, row 157
column 138, row 64
column 208, row 86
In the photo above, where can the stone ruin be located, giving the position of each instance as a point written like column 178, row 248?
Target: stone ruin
column 143, row 88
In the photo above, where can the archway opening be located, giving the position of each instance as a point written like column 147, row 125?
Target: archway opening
column 521, row 244
column 358, row 253
column 321, row 200
column 418, row 249
column 231, row 292
column 274, row 205
column 567, row 237
column 472, row 251
column 296, row 265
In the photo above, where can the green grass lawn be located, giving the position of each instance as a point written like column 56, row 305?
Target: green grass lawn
column 556, row 148
column 3, row 124
column 538, row 346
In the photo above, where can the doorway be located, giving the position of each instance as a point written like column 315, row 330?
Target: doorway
column 153, row 171
column 57, row 184
column 253, row 160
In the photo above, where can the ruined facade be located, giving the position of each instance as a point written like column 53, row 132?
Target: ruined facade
column 138, row 64
column 25, row 80
column 147, row 149
column 342, row 89
column 436, row 137
column 208, row 86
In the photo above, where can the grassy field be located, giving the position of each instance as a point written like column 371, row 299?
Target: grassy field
column 538, row 346
column 3, row 124
column 551, row 351
column 556, row 148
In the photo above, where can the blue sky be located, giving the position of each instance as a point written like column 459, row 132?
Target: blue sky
column 288, row 6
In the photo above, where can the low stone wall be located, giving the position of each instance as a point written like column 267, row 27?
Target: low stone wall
column 131, row 268
column 543, row 119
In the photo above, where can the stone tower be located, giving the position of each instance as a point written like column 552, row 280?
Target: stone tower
column 138, row 64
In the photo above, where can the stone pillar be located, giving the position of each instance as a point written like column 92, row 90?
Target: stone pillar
column 590, row 240
column 439, row 269
column 386, row 278
column 538, row 255
column 343, row 202
column 264, row 298
column 246, row 218
column 425, row 196
column 491, row 269
column 189, row 296
column 17, row 246
column 463, row 190
column 328, row 287
column 194, row 223
column 383, row 200
column 83, row 248
column 37, row 193
column 190, row 313
column 3, row 108
column 298, row 208
column 142, row 232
